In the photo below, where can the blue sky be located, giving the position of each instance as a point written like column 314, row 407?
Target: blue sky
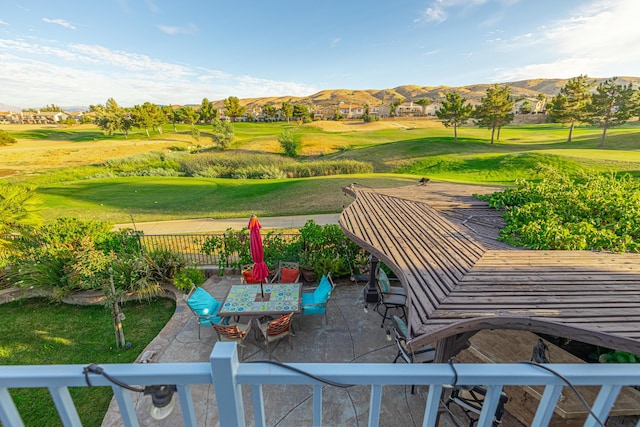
column 83, row 52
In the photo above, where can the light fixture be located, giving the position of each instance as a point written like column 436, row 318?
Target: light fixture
column 163, row 397
column 163, row 400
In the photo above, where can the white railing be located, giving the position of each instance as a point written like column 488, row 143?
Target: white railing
column 228, row 375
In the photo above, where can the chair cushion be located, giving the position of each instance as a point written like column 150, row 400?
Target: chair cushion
column 248, row 277
column 203, row 303
column 308, row 306
column 289, row 275
column 322, row 292
column 383, row 279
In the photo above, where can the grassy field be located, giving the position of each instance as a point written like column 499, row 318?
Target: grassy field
column 59, row 161
column 37, row 332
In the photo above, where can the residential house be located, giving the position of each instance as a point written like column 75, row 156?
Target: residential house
column 351, row 111
column 409, row 109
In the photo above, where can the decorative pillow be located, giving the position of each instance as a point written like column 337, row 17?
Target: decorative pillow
column 248, row 277
column 401, row 326
column 289, row 275
column 322, row 292
column 383, row 279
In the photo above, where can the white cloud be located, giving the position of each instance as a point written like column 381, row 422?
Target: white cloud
column 36, row 74
column 3, row 23
column 600, row 40
column 172, row 31
column 60, row 22
column 335, row 41
column 437, row 10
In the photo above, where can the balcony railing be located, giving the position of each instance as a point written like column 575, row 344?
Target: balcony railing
column 228, row 375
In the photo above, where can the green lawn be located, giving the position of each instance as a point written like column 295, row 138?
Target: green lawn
column 38, row 332
column 166, row 198
column 411, row 152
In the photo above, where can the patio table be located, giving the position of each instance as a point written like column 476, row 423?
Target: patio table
column 245, row 300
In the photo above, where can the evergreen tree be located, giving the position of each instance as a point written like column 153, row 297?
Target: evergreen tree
column 611, row 105
column 454, row 112
column 570, row 105
column 232, row 108
column 496, row 110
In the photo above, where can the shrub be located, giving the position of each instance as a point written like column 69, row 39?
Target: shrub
column 6, row 139
column 288, row 143
column 587, row 212
column 188, row 277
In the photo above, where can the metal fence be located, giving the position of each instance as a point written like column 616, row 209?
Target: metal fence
column 191, row 246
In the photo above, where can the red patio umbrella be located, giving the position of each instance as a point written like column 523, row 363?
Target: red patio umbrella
column 260, row 270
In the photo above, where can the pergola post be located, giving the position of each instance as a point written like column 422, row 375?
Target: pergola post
column 371, row 291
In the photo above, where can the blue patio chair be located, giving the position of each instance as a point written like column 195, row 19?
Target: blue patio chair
column 407, row 353
column 316, row 302
column 204, row 307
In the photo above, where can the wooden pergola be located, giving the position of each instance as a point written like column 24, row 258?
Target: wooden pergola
column 459, row 279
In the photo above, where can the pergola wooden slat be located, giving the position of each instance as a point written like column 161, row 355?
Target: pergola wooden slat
column 459, row 283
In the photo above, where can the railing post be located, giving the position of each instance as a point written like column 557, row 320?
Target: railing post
column 9, row 414
column 224, row 368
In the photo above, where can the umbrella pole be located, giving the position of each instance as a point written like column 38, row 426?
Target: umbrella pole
column 261, row 290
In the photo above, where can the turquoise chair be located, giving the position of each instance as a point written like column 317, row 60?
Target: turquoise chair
column 204, row 307
column 316, row 302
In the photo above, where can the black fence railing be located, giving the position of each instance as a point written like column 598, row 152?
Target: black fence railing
column 191, row 247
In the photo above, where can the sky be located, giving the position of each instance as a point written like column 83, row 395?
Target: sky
column 79, row 52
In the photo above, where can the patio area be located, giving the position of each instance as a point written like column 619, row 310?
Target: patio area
column 351, row 336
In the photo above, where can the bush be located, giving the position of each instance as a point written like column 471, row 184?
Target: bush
column 6, row 139
column 188, row 277
column 588, row 212
column 288, row 143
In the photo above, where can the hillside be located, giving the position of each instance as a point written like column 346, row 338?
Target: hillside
column 329, row 97
column 520, row 89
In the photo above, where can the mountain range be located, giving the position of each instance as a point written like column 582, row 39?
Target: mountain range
column 520, row 89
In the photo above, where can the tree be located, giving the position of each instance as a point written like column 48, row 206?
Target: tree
column 222, row 133
column 188, row 115
column 570, row 104
column 6, row 139
column 270, row 111
column 171, row 116
column 496, row 110
column 337, row 115
column 288, row 143
column 396, row 102
column 286, row 110
column 53, row 108
column 147, row 116
column 610, row 106
column 111, row 118
column 454, row 112
column 423, row 102
column 232, row 108
column 367, row 117
column 525, row 108
column 301, row 112
column 17, row 211
column 207, row 111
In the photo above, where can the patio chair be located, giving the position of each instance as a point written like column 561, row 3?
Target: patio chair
column 235, row 332
column 470, row 400
column 204, row 307
column 316, row 302
column 275, row 330
column 425, row 354
column 246, row 276
column 385, row 284
column 389, row 301
column 288, row 272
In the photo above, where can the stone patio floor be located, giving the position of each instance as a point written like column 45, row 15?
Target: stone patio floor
column 352, row 335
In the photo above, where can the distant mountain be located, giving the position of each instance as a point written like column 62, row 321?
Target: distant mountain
column 5, row 107
column 520, row 89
